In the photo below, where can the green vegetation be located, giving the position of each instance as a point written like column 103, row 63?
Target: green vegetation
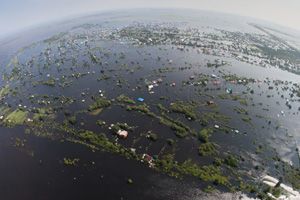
column 185, row 108
column 213, row 117
column 94, row 58
column 167, row 164
column 292, row 175
column 4, row 91
column 99, row 104
column 247, row 119
column 207, row 149
column 97, row 139
column 40, row 114
column 50, row 82
column 224, row 96
column 180, row 129
column 206, row 173
column 240, row 110
column 19, row 142
column 231, row 161
column 124, row 99
column 162, row 108
column 209, row 189
column 72, row 120
column 170, row 141
column 204, row 134
column 239, row 98
column 17, row 117
column 218, row 161
column 297, row 92
column 100, row 123
column 259, row 149
column 152, row 136
column 100, row 140
column 70, row 161
column 104, row 77
column 143, row 108
column 121, row 126
column 276, row 191
column 243, row 102
column 4, row 110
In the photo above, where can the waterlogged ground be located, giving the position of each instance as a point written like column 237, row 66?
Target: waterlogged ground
column 207, row 110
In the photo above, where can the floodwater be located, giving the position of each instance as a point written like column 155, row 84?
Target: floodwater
column 36, row 170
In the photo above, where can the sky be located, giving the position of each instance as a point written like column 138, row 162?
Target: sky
column 18, row 14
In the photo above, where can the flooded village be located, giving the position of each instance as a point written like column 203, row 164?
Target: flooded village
column 189, row 102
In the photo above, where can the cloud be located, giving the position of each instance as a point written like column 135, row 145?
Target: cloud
column 17, row 14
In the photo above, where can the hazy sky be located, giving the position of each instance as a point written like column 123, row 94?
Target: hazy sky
column 17, row 14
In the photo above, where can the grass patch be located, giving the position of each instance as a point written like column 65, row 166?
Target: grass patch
column 121, row 126
column 241, row 111
column 99, row 103
column 16, row 117
column 152, row 136
column 100, row 140
column 247, row 119
column 162, row 108
column 213, row 117
column 4, row 91
column 231, row 161
column 125, row 99
column 50, row 82
column 181, row 130
column 143, row 108
column 40, row 114
column 204, row 134
column 184, row 108
column 206, row 173
column 292, row 175
column 70, row 161
column 207, row 149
